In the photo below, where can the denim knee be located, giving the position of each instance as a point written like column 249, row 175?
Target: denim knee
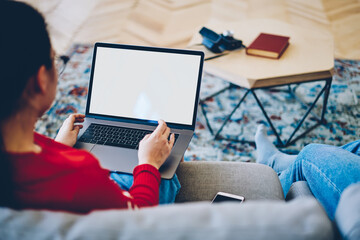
column 311, row 150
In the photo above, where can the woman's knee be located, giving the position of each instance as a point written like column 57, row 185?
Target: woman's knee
column 316, row 152
column 326, row 154
column 311, row 149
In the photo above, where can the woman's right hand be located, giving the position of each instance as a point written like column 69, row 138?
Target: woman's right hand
column 70, row 129
column 155, row 148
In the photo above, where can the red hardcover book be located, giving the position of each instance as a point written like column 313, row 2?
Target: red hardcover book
column 268, row 45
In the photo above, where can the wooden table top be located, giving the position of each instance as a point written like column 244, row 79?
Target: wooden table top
column 310, row 55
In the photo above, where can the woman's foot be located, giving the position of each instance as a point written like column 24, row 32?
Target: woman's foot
column 268, row 154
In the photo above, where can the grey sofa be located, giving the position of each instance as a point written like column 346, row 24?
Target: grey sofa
column 264, row 214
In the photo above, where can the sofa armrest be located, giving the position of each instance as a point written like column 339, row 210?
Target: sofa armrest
column 200, row 181
column 347, row 215
column 298, row 219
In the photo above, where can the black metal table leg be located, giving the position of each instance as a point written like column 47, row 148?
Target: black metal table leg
column 326, row 97
column 319, row 120
column 230, row 115
column 267, row 118
column 325, row 92
column 202, row 101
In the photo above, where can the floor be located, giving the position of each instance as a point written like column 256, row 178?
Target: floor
column 172, row 23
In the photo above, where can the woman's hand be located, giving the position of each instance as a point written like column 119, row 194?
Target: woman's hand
column 155, row 148
column 69, row 131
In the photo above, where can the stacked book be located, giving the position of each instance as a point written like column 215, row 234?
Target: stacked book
column 167, row 22
column 339, row 17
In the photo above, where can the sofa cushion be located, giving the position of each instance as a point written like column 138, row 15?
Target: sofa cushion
column 347, row 215
column 299, row 189
column 202, row 180
column 297, row 219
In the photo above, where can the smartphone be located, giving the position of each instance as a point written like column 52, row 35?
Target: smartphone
column 223, row 197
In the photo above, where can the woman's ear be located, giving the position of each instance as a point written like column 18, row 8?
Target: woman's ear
column 42, row 80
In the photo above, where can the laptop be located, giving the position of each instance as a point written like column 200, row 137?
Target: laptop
column 130, row 89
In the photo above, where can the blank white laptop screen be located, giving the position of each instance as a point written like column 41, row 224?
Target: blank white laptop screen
column 145, row 85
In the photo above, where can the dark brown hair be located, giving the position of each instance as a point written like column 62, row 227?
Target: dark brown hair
column 24, row 47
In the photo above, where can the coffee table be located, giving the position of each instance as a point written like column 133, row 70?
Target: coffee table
column 309, row 57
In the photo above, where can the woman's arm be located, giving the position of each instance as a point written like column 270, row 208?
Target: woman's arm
column 98, row 191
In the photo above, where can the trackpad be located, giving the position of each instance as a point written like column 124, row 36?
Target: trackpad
column 116, row 159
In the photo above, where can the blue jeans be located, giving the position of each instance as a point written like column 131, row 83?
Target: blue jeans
column 167, row 191
column 328, row 170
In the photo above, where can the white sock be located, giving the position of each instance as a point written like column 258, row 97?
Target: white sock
column 268, row 154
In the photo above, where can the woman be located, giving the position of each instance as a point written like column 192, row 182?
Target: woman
column 328, row 170
column 40, row 173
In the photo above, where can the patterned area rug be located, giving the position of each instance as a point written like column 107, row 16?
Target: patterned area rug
column 343, row 111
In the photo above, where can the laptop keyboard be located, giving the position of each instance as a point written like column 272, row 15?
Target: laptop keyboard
column 115, row 136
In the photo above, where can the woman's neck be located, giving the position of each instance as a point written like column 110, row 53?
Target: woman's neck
column 18, row 132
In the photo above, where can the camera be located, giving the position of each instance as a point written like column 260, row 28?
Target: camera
column 218, row 43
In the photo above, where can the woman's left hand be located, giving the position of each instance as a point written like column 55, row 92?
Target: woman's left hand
column 69, row 131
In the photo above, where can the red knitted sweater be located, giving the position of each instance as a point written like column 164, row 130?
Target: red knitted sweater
column 64, row 178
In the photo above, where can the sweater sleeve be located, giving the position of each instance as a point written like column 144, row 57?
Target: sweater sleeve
column 145, row 189
column 98, row 191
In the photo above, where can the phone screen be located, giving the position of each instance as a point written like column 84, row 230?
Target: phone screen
column 222, row 198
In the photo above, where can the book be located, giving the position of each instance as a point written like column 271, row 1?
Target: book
column 268, row 45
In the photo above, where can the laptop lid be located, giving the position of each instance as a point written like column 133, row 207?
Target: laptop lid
column 140, row 84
